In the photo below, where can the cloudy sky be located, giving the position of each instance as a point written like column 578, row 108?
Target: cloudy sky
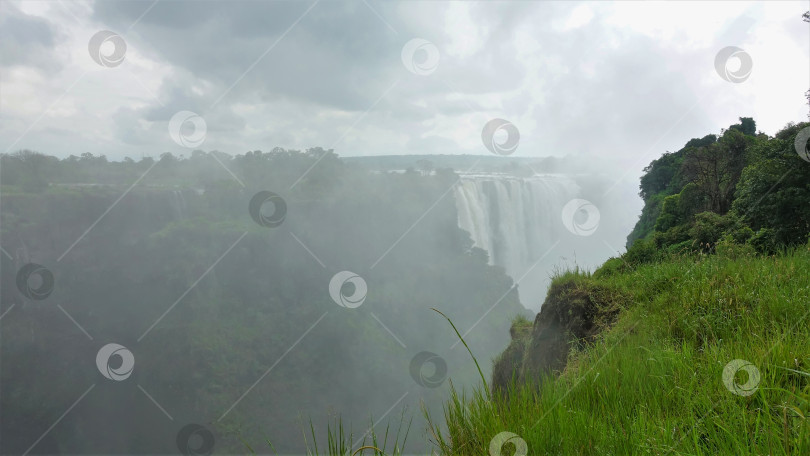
column 617, row 82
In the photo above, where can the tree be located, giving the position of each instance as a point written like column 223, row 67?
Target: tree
column 773, row 191
column 426, row 166
column 717, row 168
column 747, row 126
column 30, row 170
column 659, row 174
column 700, row 142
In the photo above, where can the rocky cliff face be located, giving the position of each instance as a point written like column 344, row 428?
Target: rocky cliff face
column 574, row 312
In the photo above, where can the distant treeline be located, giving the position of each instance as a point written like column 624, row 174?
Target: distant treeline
column 33, row 171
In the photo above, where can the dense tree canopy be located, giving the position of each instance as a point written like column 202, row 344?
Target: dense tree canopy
column 741, row 186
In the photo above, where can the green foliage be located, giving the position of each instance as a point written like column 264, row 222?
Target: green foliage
column 679, row 209
column 670, row 214
column 687, row 246
column 764, row 241
column 709, row 227
column 653, row 383
column 737, row 184
column 661, row 175
column 678, row 234
column 641, row 252
column 739, row 233
column 728, row 247
column 646, row 222
column 575, row 310
column 695, row 293
column 774, row 191
column 521, row 326
column 691, row 201
column 716, row 168
column 701, row 142
column 612, row 266
column 235, row 320
column 747, row 126
column 339, row 441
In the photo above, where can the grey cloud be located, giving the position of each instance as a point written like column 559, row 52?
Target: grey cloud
column 637, row 83
column 342, row 56
column 26, row 40
column 433, row 143
column 582, row 92
column 332, row 56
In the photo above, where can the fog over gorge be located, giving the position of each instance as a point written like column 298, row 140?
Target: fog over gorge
column 332, row 227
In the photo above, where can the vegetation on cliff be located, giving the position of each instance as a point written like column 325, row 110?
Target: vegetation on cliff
column 653, row 383
column 746, row 188
column 694, row 341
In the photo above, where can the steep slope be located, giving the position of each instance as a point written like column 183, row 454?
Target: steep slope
column 709, row 355
column 694, row 341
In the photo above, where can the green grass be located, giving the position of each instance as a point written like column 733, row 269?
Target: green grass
column 340, row 442
column 653, row 382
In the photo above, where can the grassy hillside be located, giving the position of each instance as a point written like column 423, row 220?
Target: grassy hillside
column 694, row 341
column 653, row 381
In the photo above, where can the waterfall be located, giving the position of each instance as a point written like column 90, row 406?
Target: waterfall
column 179, row 204
column 516, row 220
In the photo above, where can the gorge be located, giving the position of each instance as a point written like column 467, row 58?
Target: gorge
column 528, row 225
column 517, row 221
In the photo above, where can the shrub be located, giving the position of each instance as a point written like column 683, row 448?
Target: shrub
column 727, row 247
column 674, row 235
column 740, row 234
column 670, row 214
column 611, row 266
column 709, row 228
column 642, row 251
column 764, row 241
column 684, row 247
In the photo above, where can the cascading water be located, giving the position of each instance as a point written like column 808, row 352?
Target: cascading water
column 516, row 220
column 179, row 204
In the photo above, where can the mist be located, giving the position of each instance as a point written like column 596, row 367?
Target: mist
column 230, row 226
